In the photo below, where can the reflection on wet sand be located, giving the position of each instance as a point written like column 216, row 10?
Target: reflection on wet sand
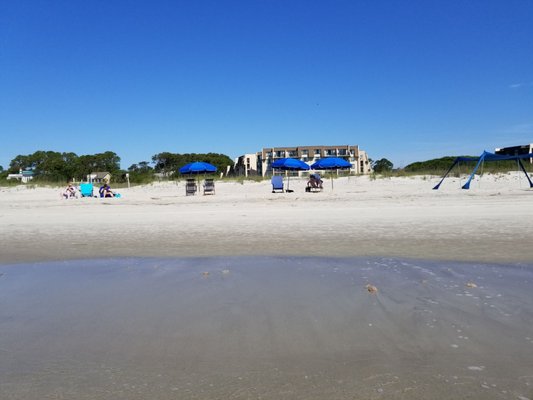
column 265, row 327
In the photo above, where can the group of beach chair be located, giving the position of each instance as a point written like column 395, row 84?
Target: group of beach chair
column 191, row 187
column 314, row 184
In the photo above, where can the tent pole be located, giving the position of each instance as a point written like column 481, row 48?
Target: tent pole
column 445, row 175
column 466, row 186
column 481, row 172
column 459, row 168
column 518, row 170
column 525, row 172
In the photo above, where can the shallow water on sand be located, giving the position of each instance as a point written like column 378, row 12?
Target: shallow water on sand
column 265, row 328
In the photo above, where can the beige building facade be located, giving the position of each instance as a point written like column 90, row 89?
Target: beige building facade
column 310, row 154
column 261, row 162
column 247, row 165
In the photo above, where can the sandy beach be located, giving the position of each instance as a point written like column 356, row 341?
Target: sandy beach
column 252, row 294
column 493, row 221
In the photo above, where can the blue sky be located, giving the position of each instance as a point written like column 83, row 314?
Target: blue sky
column 406, row 80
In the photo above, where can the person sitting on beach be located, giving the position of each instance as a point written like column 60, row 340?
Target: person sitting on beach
column 69, row 192
column 314, row 182
column 105, row 191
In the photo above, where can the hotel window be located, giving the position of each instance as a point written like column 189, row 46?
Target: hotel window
column 305, row 153
column 292, row 153
column 342, row 152
column 317, row 152
column 330, row 152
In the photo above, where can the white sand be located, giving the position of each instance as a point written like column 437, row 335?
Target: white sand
column 493, row 221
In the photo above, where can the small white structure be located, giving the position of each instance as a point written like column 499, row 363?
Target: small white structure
column 516, row 150
column 99, row 177
column 23, row 176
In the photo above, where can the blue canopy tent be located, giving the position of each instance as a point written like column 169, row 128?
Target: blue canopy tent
column 486, row 156
column 290, row 164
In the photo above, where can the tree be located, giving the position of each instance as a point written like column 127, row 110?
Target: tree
column 55, row 166
column 18, row 163
column 141, row 167
column 168, row 163
column 382, row 165
column 141, row 172
column 108, row 162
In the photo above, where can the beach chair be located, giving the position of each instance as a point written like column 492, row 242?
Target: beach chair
column 190, row 187
column 209, row 186
column 86, row 189
column 277, row 183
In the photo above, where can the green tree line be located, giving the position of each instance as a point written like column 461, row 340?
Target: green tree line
column 434, row 165
column 168, row 163
column 441, row 165
column 52, row 166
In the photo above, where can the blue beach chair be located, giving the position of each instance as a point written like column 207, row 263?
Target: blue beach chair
column 86, row 189
column 277, row 183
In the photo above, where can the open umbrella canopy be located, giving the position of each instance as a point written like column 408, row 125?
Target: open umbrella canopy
column 197, row 167
column 331, row 163
column 290, row 164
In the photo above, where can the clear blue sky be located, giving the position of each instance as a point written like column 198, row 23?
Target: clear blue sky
column 406, row 80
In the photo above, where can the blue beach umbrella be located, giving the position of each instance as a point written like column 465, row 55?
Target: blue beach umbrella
column 330, row 164
column 197, row 167
column 290, row 164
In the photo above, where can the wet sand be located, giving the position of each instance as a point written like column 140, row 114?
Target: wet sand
column 265, row 328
